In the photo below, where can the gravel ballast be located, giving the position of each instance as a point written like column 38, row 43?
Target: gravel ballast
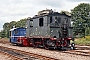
column 53, row 54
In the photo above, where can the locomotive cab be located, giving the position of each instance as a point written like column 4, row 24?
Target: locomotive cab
column 16, row 33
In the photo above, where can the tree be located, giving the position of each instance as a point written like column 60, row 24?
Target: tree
column 11, row 24
column 6, row 29
column 80, row 16
column 2, row 34
column 65, row 12
column 21, row 23
column 7, row 26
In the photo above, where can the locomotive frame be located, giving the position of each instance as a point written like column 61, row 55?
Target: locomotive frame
column 48, row 29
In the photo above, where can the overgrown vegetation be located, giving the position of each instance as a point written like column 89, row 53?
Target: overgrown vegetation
column 83, row 41
column 80, row 16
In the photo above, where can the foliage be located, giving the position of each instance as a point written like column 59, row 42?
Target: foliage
column 7, row 26
column 2, row 34
column 81, row 19
column 83, row 41
column 65, row 12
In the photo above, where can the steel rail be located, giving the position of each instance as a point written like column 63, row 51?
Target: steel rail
column 20, row 55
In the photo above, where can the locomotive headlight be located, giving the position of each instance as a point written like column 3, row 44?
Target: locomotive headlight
column 73, row 44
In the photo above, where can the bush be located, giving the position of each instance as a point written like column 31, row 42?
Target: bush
column 83, row 41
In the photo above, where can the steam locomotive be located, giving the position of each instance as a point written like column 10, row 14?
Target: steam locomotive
column 47, row 29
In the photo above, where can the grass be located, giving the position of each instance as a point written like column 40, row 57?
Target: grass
column 83, row 41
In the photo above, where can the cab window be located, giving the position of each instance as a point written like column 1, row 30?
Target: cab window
column 41, row 22
column 51, row 19
column 16, row 31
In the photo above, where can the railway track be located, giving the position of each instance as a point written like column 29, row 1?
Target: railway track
column 81, row 47
column 77, row 52
column 80, row 50
column 22, row 55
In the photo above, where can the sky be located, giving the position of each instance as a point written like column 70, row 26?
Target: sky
column 14, row 10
